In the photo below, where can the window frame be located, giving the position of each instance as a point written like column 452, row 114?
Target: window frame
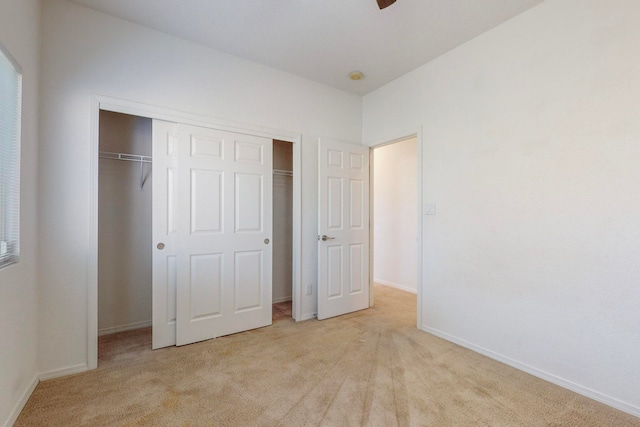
column 10, row 165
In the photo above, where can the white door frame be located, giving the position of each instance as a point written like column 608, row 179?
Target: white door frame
column 99, row 102
column 419, row 162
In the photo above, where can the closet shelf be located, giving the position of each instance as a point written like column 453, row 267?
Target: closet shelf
column 125, row 156
column 130, row 158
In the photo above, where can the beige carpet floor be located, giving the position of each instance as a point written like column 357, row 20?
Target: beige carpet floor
column 370, row 368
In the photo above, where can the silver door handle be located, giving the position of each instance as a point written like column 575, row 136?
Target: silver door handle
column 324, row 238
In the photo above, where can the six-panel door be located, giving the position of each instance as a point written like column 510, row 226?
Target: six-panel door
column 343, row 258
column 219, row 213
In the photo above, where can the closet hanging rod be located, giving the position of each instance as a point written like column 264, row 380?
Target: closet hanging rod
column 125, row 156
column 282, row 172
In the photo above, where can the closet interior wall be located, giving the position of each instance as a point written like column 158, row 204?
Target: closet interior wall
column 282, row 220
column 124, row 225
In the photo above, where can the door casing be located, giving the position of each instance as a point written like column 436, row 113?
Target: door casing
column 154, row 112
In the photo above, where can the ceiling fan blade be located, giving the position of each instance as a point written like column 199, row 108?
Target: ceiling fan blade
column 385, row 3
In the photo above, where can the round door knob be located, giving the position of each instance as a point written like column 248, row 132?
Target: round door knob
column 266, row 241
column 160, row 246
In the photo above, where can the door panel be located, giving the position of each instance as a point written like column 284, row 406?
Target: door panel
column 343, row 259
column 206, row 285
column 248, row 198
column 356, row 208
column 213, row 212
column 248, row 280
column 356, row 261
column 335, row 271
column 206, row 202
column 335, row 200
column 227, row 186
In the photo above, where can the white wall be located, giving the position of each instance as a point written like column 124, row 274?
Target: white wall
column 86, row 52
column 124, row 226
column 19, row 34
column 395, row 205
column 531, row 152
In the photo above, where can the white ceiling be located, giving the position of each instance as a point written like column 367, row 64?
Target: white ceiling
column 323, row 40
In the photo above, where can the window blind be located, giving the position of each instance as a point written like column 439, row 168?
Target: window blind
column 10, row 115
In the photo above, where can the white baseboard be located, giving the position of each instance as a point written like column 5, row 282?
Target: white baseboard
column 308, row 316
column 13, row 416
column 122, row 328
column 62, row 372
column 281, row 299
column 395, row 285
column 562, row 382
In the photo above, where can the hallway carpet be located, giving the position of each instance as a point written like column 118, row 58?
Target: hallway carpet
column 370, row 368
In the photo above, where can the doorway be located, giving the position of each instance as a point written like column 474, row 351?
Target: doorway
column 124, row 223
column 124, row 229
column 282, row 290
column 395, row 217
column 346, row 195
column 395, row 223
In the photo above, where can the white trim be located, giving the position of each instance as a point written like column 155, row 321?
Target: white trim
column 63, row 372
column 296, row 247
column 371, row 225
column 547, row 376
column 420, row 231
column 124, row 328
column 281, row 299
column 92, row 267
column 401, row 136
column 167, row 114
column 395, row 285
column 15, row 413
column 308, row 316
column 100, row 102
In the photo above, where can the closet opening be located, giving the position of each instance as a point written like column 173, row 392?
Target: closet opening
column 124, row 233
column 125, row 241
column 394, row 222
column 282, row 278
column 119, row 127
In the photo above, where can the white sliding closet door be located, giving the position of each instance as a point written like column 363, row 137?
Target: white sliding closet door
column 164, row 231
column 216, row 216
